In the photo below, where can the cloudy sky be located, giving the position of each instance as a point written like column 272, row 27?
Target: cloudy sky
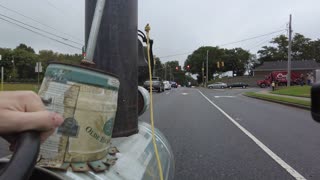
column 178, row 26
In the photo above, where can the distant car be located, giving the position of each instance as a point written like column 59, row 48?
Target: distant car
column 174, row 84
column 167, row 85
column 157, row 85
column 218, row 85
column 239, row 84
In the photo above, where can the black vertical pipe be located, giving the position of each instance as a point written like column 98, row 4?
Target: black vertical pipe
column 117, row 52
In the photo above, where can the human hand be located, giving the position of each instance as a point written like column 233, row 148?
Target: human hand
column 22, row 111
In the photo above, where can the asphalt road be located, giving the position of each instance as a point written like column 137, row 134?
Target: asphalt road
column 221, row 134
column 283, row 142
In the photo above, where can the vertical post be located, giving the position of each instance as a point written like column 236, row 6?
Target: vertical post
column 207, row 72
column 38, row 68
column 95, row 28
column 116, row 52
column 289, row 53
column 154, row 66
column 203, row 73
column 170, row 73
column 165, row 71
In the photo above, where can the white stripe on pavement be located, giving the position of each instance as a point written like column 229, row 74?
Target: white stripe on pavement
column 275, row 157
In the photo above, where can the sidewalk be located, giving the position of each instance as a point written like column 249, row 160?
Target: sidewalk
column 268, row 92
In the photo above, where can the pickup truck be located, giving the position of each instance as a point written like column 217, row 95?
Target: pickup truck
column 157, row 84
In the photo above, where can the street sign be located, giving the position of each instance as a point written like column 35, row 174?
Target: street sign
column 38, row 68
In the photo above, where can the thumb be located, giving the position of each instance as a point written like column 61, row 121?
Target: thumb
column 41, row 120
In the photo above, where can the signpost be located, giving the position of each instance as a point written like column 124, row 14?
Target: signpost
column 38, row 69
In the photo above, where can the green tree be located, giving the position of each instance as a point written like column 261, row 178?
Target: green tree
column 302, row 49
column 234, row 60
column 199, row 56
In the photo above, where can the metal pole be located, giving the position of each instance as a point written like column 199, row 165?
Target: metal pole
column 165, row 71
column 154, row 67
column 289, row 53
column 38, row 67
column 207, row 74
column 202, row 73
column 94, row 32
column 170, row 74
column 2, row 78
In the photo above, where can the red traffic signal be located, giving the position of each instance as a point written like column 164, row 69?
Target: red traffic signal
column 177, row 68
column 188, row 66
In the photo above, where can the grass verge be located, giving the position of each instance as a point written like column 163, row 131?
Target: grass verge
column 20, row 87
column 284, row 100
column 299, row 91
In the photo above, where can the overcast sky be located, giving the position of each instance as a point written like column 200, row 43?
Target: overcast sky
column 178, row 26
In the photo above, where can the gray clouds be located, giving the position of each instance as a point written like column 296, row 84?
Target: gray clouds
column 178, row 26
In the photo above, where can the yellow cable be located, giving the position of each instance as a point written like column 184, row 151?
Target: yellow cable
column 147, row 29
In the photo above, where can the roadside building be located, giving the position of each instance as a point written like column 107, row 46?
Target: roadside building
column 305, row 67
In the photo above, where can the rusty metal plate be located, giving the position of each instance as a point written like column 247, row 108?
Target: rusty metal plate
column 80, row 167
column 97, row 166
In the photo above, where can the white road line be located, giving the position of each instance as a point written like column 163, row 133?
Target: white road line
column 223, row 96
column 167, row 93
column 275, row 157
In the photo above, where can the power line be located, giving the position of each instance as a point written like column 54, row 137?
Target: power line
column 55, row 7
column 4, row 7
column 40, row 29
column 234, row 42
column 40, row 34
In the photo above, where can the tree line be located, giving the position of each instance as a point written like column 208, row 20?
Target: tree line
column 239, row 60
column 20, row 62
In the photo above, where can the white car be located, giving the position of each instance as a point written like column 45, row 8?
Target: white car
column 167, row 85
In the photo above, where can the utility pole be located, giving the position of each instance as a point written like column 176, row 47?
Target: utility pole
column 165, row 71
column 170, row 73
column 1, row 75
column 202, row 69
column 289, row 53
column 207, row 73
column 154, row 66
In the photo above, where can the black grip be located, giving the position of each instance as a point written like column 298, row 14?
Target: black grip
column 24, row 158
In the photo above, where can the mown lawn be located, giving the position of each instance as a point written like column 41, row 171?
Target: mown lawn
column 279, row 99
column 299, row 91
column 20, row 87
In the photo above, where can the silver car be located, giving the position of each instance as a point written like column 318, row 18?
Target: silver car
column 217, row 85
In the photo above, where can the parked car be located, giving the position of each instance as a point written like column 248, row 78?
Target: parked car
column 174, row 84
column 167, row 85
column 217, row 85
column 157, row 84
column 238, row 84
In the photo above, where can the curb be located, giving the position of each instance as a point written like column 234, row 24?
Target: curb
column 280, row 102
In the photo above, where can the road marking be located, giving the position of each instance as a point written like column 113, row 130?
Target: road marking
column 223, row 96
column 275, row 157
column 184, row 94
column 167, row 93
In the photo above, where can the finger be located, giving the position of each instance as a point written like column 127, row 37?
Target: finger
column 22, row 121
column 45, row 135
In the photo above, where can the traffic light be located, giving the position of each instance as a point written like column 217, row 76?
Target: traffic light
column 177, row 68
column 218, row 64
column 188, row 67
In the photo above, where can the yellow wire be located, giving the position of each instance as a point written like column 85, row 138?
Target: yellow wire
column 147, row 29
